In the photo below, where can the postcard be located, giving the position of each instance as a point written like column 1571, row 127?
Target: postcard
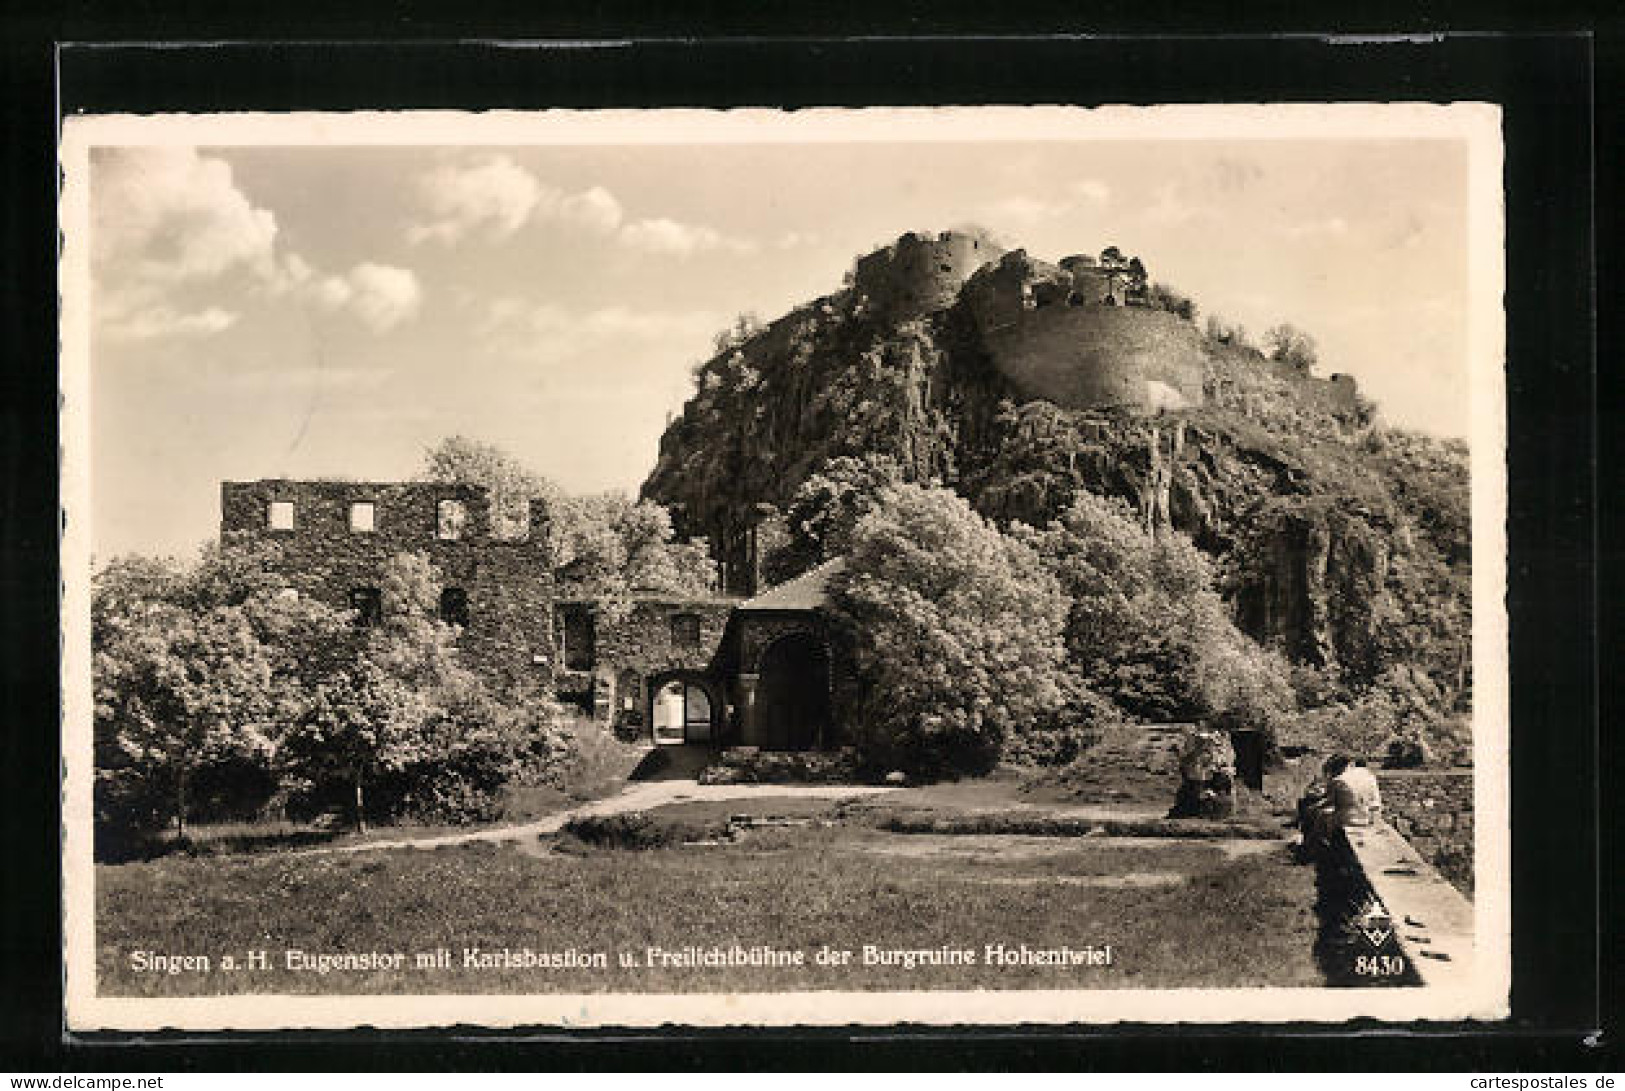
column 934, row 566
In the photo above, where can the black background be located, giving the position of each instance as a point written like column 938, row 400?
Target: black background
column 398, row 56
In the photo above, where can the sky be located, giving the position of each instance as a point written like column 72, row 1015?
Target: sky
column 333, row 311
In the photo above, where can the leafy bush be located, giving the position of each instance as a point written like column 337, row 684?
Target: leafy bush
column 1396, row 719
column 1146, row 628
column 219, row 695
column 643, row 830
column 1064, row 734
column 955, row 633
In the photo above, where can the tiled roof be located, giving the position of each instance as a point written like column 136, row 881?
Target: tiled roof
column 808, row 591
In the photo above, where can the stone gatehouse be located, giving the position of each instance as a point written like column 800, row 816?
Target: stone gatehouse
column 714, row 671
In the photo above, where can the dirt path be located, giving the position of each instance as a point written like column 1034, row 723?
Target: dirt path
column 636, row 797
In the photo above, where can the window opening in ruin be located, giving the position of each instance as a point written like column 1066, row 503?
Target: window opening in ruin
column 685, row 630
column 454, row 606
column 451, row 517
column 368, row 604
column 280, row 516
column 576, row 634
column 946, row 268
column 363, row 516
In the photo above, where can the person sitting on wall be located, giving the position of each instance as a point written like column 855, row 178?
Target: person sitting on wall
column 1315, row 801
column 1347, row 802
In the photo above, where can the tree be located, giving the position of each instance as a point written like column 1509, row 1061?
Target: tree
column 376, row 711
column 603, row 545
column 829, row 504
column 1226, row 333
column 608, row 546
column 124, row 587
column 744, row 327
column 1175, row 302
column 511, row 486
column 1136, row 276
column 176, row 691
column 955, row 633
column 198, row 670
column 1290, row 345
column 1145, row 626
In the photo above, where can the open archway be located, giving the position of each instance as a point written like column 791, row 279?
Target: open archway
column 682, row 709
column 793, row 694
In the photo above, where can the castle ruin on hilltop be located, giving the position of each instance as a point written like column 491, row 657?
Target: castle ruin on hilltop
column 913, row 357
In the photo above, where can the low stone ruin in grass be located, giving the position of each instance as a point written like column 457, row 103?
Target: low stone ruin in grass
column 1207, row 771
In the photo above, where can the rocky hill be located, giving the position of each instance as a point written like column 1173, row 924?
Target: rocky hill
column 1019, row 383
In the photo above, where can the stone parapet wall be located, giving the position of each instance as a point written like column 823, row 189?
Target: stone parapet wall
column 1062, row 336
column 1433, row 810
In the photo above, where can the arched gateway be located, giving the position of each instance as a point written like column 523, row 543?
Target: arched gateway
column 792, row 695
column 683, row 709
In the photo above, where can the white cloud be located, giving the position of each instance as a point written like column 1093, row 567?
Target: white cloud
column 790, row 240
column 1092, row 190
column 494, row 197
column 595, row 208
column 146, row 323
column 330, row 293
column 170, row 214
column 381, row 296
column 663, row 236
column 168, row 219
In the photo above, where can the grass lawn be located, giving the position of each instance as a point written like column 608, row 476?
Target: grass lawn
column 600, row 768
column 1175, row 913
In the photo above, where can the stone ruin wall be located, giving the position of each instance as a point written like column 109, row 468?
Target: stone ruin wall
column 633, row 646
column 1050, row 331
column 918, row 275
column 1433, row 810
column 509, row 583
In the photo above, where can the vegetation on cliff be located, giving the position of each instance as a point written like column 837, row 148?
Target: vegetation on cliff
column 1329, row 540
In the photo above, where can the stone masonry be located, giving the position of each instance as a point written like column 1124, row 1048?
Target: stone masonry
column 633, row 645
column 1433, row 810
column 333, row 537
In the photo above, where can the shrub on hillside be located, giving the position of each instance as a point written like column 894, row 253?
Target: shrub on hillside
column 1065, row 733
column 1146, row 628
column 1395, row 719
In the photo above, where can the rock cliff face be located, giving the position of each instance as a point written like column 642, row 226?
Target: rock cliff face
column 1020, row 384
